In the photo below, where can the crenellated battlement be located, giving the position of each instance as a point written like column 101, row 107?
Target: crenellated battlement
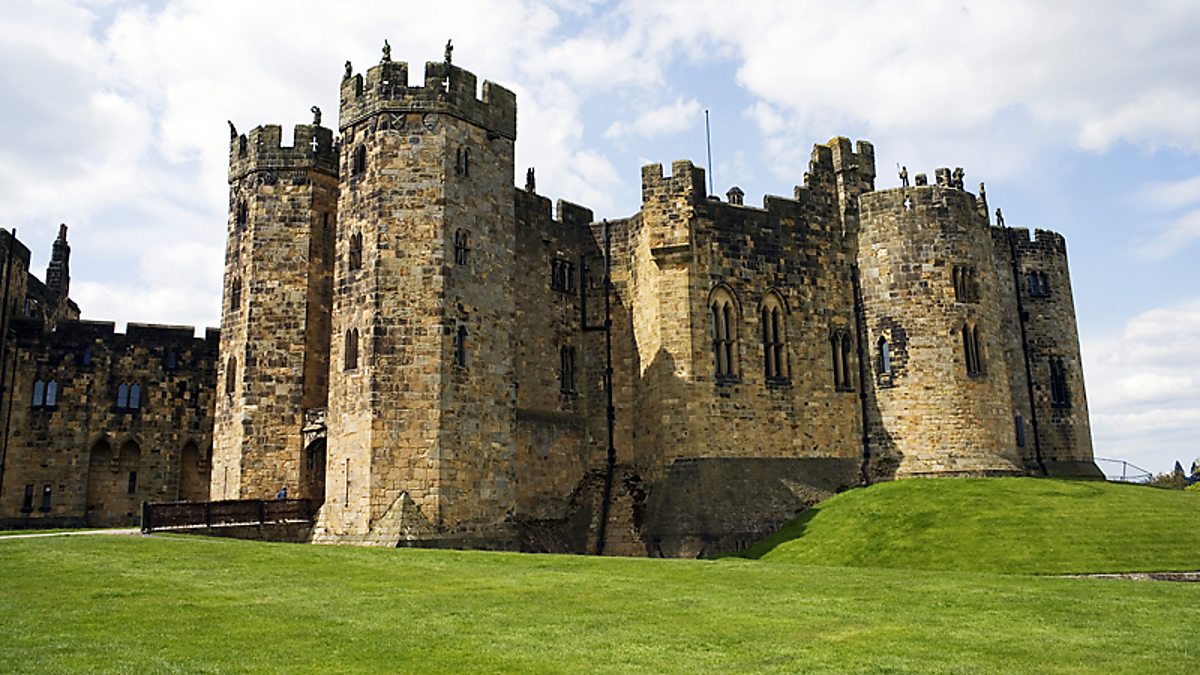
column 685, row 179
column 313, row 147
column 1039, row 243
column 845, row 156
column 447, row 89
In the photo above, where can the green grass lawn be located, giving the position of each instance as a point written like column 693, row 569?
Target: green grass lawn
column 899, row 577
column 1009, row 525
column 75, row 604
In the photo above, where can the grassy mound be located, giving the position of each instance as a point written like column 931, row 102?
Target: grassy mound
column 1008, row 525
column 177, row 604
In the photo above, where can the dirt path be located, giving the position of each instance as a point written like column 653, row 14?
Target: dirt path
column 72, row 533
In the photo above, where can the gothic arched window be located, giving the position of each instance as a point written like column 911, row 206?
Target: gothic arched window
column 351, row 356
column 724, row 332
column 774, row 338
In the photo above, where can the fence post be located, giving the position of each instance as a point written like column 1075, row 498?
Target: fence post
column 147, row 525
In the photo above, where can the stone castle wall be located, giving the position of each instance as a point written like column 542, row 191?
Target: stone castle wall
column 100, row 447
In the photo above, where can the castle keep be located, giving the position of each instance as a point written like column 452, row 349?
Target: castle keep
column 424, row 349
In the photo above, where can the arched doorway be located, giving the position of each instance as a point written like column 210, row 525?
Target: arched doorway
column 194, row 470
column 314, row 473
column 113, row 484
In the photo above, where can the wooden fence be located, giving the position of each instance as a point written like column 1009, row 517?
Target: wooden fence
column 175, row 515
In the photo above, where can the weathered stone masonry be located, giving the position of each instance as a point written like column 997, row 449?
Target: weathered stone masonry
column 763, row 358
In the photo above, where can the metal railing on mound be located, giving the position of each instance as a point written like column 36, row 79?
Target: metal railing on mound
column 1120, row 470
column 224, row 513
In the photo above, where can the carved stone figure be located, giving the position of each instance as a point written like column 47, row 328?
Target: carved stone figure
column 957, row 179
column 922, row 179
column 387, row 53
column 449, row 50
column 316, row 116
column 232, row 130
column 982, row 193
column 530, row 183
column 999, row 217
column 349, row 71
column 904, row 176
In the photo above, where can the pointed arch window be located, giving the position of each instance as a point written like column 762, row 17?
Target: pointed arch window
column 122, row 396
column 885, row 357
column 242, row 214
column 774, row 339
column 51, row 393
column 966, row 283
column 840, row 345
column 135, row 396
column 230, row 376
column 1039, row 286
column 972, row 349
column 723, row 313
column 351, row 356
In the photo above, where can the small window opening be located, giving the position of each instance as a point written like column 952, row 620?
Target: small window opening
column 885, row 357
column 351, row 356
column 354, row 258
column 462, row 247
column 85, row 359
column 971, row 349
column 51, row 393
column 775, row 358
column 359, row 165
column 235, row 294
column 171, row 362
column 242, row 215
column 1060, row 393
column 46, row 495
column 230, row 376
column 131, row 488
column 135, row 396
column 460, row 347
column 123, row 395
column 1019, row 423
column 562, row 276
column 840, row 345
column 566, row 371
column 1039, row 287
column 27, row 502
column 966, row 284
column 39, row 393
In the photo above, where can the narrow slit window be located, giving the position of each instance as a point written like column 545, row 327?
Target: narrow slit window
column 230, row 376
column 46, row 497
column 27, row 503
column 123, row 395
column 566, row 376
column 359, row 165
column 135, row 396
column 462, row 247
column 51, row 393
column 885, row 357
column 39, row 393
column 351, row 357
column 460, row 347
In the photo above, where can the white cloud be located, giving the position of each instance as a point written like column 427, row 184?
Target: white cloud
column 668, row 119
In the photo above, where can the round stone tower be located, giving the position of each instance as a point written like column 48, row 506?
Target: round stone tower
column 938, row 400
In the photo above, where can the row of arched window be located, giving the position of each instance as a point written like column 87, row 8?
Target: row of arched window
column 45, row 395
column 350, row 351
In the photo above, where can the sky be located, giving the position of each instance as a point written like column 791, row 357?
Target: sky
column 1082, row 116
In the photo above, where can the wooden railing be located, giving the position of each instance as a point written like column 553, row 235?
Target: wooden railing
column 226, row 513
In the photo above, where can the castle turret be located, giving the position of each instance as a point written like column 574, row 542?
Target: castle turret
column 422, row 403
column 940, row 401
column 275, row 314
column 58, row 271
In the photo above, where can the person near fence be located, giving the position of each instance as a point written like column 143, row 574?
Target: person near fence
column 282, row 493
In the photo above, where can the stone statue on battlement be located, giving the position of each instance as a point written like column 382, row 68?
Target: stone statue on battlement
column 232, row 130
column 449, row 50
column 956, row 180
column 904, row 176
column 316, row 116
column 387, row 53
column 530, row 183
column 999, row 217
column 349, row 71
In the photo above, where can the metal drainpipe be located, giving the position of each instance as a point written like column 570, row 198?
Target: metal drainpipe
column 1033, row 420
column 860, row 326
column 4, row 388
column 610, row 410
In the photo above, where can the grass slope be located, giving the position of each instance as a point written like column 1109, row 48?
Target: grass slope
column 1008, row 525
column 137, row 604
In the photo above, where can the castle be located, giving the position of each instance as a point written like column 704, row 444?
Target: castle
column 437, row 357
